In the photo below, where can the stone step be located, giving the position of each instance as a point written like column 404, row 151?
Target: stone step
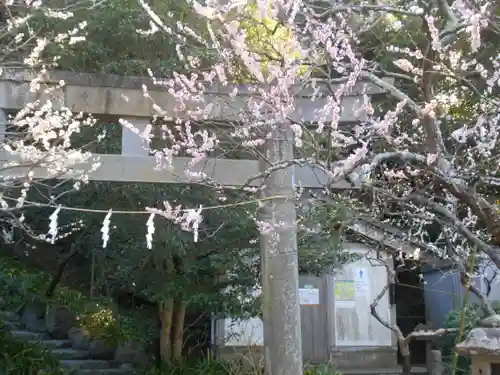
column 12, row 325
column 70, row 354
column 30, row 336
column 9, row 316
column 52, row 344
column 91, row 364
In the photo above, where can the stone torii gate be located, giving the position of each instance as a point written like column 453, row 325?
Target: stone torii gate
column 123, row 97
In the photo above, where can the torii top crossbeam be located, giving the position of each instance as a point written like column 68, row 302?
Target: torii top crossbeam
column 124, row 97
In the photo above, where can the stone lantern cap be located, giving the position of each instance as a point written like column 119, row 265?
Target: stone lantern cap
column 484, row 340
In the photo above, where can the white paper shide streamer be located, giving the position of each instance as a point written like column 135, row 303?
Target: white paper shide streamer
column 150, row 225
column 105, row 229
column 53, row 225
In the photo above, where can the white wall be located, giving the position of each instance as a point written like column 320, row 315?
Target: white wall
column 489, row 271
column 356, row 286
column 243, row 332
column 354, row 325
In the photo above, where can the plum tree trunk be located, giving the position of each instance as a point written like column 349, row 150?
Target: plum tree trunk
column 404, row 350
column 406, row 367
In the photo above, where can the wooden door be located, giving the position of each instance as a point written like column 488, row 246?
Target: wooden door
column 314, row 321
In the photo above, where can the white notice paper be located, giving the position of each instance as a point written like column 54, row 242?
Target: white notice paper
column 362, row 286
column 309, row 296
column 362, row 289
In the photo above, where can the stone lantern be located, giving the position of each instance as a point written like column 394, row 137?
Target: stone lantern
column 482, row 345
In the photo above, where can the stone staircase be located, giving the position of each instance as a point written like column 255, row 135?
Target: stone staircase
column 76, row 361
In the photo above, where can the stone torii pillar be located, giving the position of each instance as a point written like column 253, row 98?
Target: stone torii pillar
column 482, row 345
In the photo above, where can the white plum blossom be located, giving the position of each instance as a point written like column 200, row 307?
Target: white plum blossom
column 404, row 64
column 191, row 220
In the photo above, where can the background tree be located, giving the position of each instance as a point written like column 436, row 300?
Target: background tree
column 427, row 157
column 430, row 173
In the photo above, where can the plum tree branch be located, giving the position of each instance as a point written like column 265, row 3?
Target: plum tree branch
column 466, row 280
column 403, row 341
column 394, row 91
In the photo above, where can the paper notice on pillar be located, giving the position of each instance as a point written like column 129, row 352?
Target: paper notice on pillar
column 309, row 296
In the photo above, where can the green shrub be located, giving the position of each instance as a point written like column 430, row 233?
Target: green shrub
column 321, row 370
column 209, row 366
column 20, row 358
column 98, row 317
column 16, row 284
column 473, row 314
column 206, row 366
